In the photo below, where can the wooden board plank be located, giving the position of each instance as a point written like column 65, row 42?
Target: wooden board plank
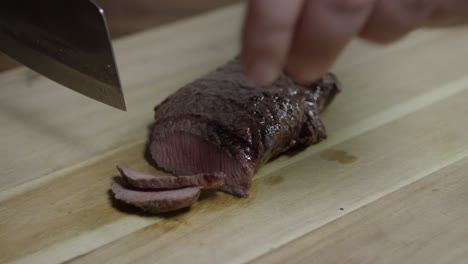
column 424, row 222
column 47, row 128
column 401, row 121
column 42, row 140
column 66, row 215
column 306, row 194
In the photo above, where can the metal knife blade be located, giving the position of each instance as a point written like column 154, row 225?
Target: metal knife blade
column 65, row 40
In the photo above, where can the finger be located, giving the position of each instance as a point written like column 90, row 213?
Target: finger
column 449, row 13
column 325, row 28
column 391, row 20
column 438, row 21
column 267, row 36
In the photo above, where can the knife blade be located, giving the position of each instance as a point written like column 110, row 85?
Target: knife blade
column 66, row 41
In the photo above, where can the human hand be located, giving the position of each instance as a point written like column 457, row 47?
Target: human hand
column 304, row 37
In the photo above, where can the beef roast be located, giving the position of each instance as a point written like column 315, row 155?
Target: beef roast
column 148, row 181
column 157, row 201
column 224, row 124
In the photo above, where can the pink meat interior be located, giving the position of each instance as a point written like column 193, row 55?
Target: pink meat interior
column 187, row 154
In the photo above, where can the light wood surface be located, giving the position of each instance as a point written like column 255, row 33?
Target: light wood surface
column 401, row 122
column 424, row 222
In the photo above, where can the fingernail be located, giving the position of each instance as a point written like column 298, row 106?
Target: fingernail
column 263, row 72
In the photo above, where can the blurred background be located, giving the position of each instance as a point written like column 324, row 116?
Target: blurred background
column 127, row 17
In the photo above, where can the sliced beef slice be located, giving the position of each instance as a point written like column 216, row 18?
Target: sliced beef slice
column 148, row 181
column 223, row 123
column 157, row 202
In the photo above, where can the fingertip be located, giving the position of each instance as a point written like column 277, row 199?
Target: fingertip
column 262, row 71
column 305, row 74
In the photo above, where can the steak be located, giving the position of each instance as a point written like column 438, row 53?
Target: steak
column 157, row 201
column 148, row 181
column 224, row 124
column 217, row 131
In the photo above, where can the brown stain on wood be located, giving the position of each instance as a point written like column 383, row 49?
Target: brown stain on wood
column 172, row 222
column 212, row 201
column 273, row 180
column 340, row 156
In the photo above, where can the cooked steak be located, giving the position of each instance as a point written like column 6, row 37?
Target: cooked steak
column 157, row 201
column 223, row 123
column 148, row 181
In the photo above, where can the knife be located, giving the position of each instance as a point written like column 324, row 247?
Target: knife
column 65, row 40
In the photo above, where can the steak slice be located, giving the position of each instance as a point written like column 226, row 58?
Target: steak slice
column 223, row 123
column 157, row 202
column 147, row 181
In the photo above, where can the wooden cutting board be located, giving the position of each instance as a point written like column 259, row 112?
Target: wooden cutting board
column 389, row 185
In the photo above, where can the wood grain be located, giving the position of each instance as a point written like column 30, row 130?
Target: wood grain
column 424, row 222
column 309, row 194
column 402, row 117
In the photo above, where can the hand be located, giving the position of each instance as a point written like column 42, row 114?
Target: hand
column 304, row 37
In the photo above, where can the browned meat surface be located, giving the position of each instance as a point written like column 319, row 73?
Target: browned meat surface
column 148, row 181
column 157, row 201
column 223, row 123
column 217, row 131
